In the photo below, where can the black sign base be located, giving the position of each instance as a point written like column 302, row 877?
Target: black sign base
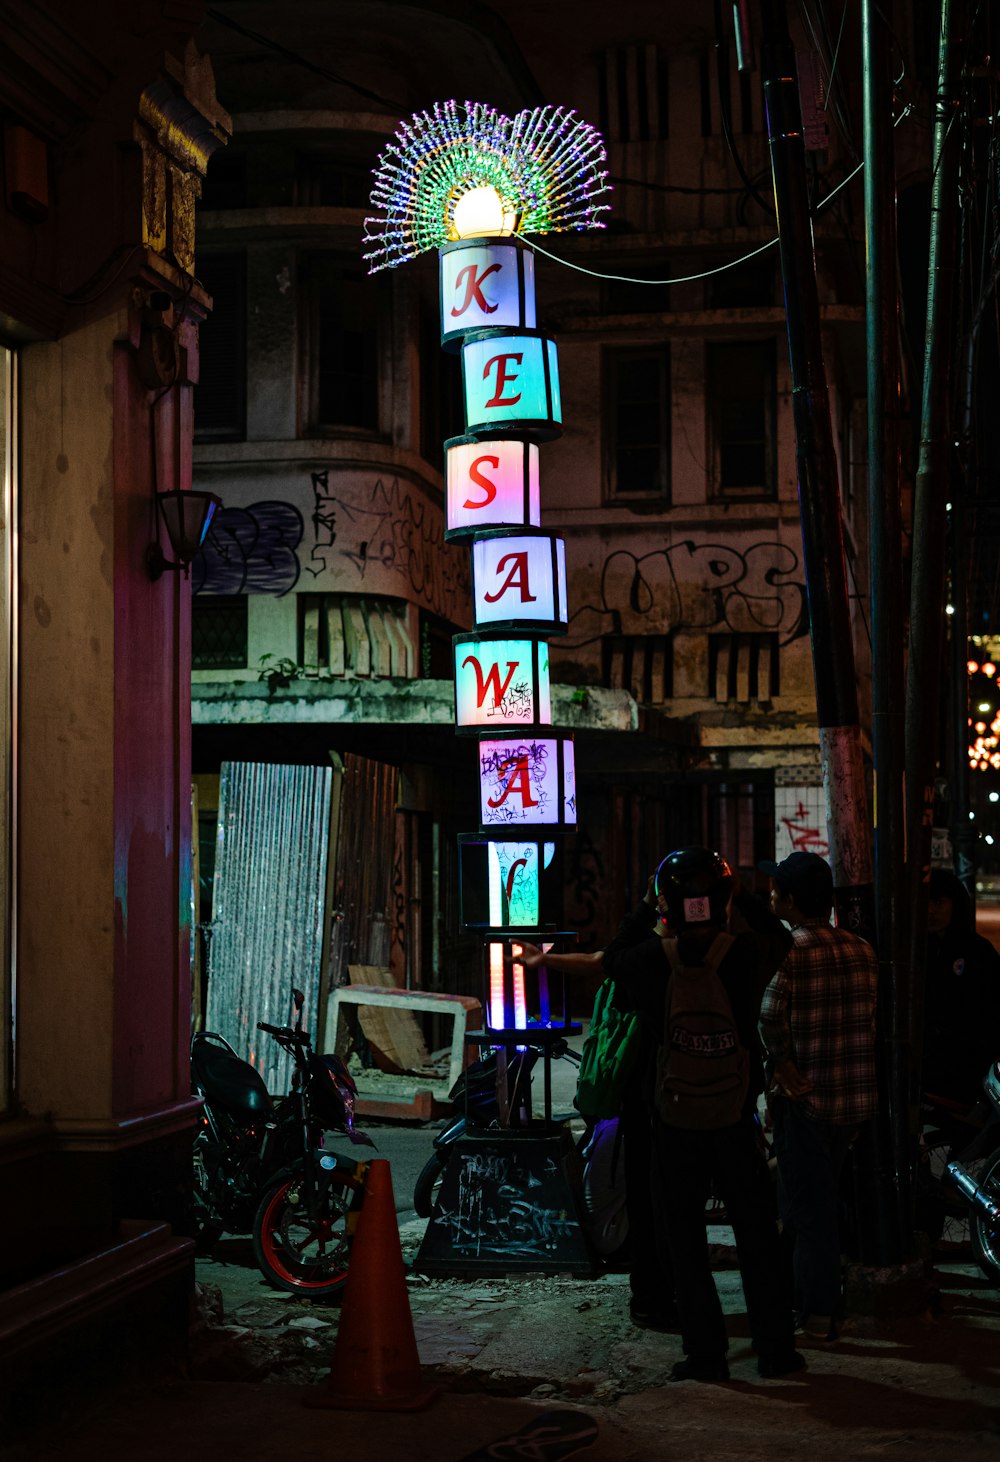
column 509, row 1202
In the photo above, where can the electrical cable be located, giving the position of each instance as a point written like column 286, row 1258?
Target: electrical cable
column 725, row 110
column 296, row 59
column 707, row 273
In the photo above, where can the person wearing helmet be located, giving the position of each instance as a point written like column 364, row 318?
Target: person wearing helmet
column 688, row 904
column 817, row 1024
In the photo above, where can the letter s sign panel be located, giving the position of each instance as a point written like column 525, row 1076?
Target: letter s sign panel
column 491, row 484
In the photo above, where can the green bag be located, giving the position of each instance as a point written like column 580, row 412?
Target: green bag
column 608, row 1058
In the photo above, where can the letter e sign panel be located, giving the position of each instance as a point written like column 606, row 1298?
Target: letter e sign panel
column 510, row 384
column 491, row 485
column 520, row 581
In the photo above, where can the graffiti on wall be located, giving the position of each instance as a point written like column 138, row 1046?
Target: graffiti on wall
column 396, row 532
column 802, row 831
column 250, row 551
column 753, row 589
column 255, row 550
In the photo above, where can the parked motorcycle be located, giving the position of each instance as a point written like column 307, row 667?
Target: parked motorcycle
column 260, row 1164
column 974, row 1174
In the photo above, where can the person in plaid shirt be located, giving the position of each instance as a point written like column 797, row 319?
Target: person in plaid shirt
column 817, row 1026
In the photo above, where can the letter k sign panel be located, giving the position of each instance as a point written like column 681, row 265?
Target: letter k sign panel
column 485, row 286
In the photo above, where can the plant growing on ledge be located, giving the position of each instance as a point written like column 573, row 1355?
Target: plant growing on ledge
column 279, row 673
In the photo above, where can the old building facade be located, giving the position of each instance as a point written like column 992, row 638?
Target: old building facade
column 108, row 123
column 325, row 398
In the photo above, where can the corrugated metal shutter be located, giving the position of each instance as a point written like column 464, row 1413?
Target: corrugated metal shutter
column 269, row 906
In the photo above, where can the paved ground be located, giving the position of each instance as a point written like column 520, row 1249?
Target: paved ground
column 506, row 1351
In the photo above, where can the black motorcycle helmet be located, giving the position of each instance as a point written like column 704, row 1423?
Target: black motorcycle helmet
column 697, row 885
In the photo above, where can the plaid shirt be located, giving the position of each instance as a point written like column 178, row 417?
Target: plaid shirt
column 819, row 1011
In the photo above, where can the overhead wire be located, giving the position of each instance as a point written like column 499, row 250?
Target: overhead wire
column 720, row 269
column 299, row 60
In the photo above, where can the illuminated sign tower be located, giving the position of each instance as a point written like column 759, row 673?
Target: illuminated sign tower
column 467, row 180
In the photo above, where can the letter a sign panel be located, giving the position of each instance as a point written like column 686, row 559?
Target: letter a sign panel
column 519, row 581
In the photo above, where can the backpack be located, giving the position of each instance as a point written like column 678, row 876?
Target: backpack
column 608, row 1057
column 702, row 1069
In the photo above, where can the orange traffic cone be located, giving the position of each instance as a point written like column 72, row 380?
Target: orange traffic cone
column 375, row 1362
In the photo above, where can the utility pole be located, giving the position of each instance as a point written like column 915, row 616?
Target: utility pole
column 897, row 1135
column 826, row 576
column 925, row 670
column 819, row 491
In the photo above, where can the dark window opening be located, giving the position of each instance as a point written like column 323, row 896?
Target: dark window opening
column 637, row 418
column 219, row 632
column 741, row 393
column 739, row 821
column 436, row 655
column 632, row 93
column 325, row 180
column 631, row 296
column 442, row 409
column 220, row 395
column 342, row 343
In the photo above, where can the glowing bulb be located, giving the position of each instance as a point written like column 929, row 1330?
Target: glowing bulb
column 989, row 839
column 949, row 609
column 989, row 669
column 972, row 667
column 480, row 214
column 995, row 796
column 984, row 705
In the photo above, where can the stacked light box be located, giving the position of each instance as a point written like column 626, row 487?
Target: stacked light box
column 527, row 786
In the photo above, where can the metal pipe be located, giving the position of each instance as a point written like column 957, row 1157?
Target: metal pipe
column 897, row 1139
column 819, row 493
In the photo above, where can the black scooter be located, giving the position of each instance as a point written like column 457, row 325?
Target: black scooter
column 261, row 1166
column 969, row 1184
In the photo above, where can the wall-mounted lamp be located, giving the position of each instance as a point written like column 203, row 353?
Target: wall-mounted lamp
column 187, row 517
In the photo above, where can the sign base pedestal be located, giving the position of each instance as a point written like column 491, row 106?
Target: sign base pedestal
column 509, row 1202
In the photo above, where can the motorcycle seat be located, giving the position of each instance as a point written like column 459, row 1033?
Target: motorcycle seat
column 233, row 1083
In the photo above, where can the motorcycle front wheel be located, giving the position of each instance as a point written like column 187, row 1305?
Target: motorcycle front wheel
column 301, row 1253
column 428, row 1184
column 983, row 1233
